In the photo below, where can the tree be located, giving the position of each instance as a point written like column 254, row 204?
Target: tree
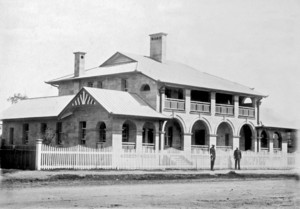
column 14, row 99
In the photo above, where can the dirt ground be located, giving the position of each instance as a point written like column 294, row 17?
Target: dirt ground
column 183, row 193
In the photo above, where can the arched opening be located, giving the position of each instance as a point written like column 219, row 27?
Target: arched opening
column 102, row 132
column 128, row 135
column 173, row 134
column 224, row 136
column 264, row 142
column 200, row 136
column 277, row 143
column 246, row 138
column 145, row 87
column 148, row 137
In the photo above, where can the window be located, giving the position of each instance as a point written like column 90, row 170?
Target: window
column 100, row 84
column 11, row 135
column 25, row 133
column 82, row 132
column 59, row 133
column 90, row 84
column 102, row 133
column 145, row 87
column 43, row 128
column 124, row 84
column 148, row 135
column 125, row 133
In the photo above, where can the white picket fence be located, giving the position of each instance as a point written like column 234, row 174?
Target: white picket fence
column 80, row 157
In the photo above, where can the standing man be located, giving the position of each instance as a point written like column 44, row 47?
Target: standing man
column 212, row 152
column 237, row 157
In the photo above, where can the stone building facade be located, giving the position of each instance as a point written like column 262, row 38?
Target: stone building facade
column 147, row 103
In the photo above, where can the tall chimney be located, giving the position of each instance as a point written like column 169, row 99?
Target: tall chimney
column 79, row 64
column 158, row 46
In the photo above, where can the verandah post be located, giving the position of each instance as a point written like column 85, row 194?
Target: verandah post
column 38, row 154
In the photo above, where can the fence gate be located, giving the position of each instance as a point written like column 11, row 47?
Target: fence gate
column 18, row 157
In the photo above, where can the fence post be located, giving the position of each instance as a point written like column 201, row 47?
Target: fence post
column 38, row 154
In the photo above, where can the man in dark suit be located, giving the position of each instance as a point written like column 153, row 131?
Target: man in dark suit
column 212, row 152
column 237, row 156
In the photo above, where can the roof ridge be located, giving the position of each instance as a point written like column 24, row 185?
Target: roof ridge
column 47, row 97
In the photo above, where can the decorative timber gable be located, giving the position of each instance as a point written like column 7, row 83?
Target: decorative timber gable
column 83, row 98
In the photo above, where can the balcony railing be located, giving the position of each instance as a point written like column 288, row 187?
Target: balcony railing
column 224, row 148
column 199, row 148
column 200, row 106
column 148, row 148
column 174, row 104
column 127, row 146
column 224, row 109
column 276, row 150
column 264, row 149
column 247, row 111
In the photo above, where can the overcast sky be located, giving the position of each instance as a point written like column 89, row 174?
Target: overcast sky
column 255, row 43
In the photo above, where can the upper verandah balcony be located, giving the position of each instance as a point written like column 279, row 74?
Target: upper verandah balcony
column 195, row 101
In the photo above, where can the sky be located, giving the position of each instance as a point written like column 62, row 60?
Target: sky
column 252, row 42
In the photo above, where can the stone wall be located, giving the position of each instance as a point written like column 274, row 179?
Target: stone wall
column 135, row 82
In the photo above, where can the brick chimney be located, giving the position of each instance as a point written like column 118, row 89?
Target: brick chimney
column 79, row 64
column 158, row 46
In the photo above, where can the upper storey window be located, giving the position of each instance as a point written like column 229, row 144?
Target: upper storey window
column 90, row 84
column 124, row 85
column 145, row 87
column 100, row 84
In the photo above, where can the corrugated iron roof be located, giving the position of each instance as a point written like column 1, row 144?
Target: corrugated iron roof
column 270, row 118
column 100, row 71
column 123, row 103
column 36, row 107
column 168, row 72
column 177, row 73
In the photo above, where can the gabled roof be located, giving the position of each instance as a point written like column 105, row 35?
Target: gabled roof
column 167, row 72
column 36, row 108
column 272, row 119
column 122, row 103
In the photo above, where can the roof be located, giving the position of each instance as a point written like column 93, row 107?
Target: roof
column 36, row 108
column 123, row 103
column 270, row 118
column 167, row 72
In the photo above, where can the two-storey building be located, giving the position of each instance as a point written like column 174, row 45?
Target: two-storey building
column 143, row 103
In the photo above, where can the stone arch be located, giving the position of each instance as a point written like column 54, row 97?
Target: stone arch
column 205, row 121
column 101, row 131
column 228, row 122
column 200, row 133
column 129, row 130
column 173, row 133
column 264, row 140
column 149, row 133
column 277, row 140
column 224, row 132
column 180, row 120
column 145, row 87
column 247, row 135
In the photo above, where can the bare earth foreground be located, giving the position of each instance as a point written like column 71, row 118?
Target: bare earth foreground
column 195, row 193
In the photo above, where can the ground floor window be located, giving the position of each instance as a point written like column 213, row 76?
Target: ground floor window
column 59, row 133
column 82, row 132
column 25, row 133
column 102, row 133
column 125, row 133
column 11, row 135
